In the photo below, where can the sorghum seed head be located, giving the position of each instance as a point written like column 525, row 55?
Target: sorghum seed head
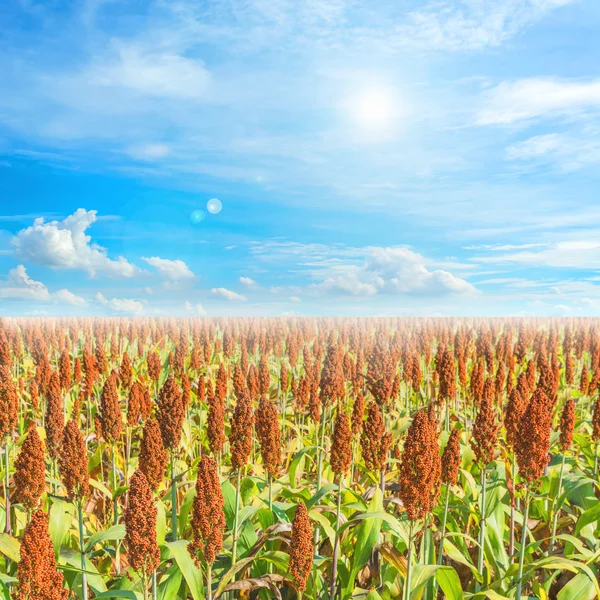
column 451, row 458
column 38, row 577
column 153, row 456
column 30, row 471
column 420, row 467
column 208, row 517
column 143, row 553
column 73, row 462
column 301, row 547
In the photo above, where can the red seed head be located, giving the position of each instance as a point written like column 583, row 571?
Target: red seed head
column 30, row 471
column 533, row 443
column 301, row 547
column 208, row 517
column 109, row 416
column 153, row 456
column 485, row 428
column 73, row 462
column 171, row 413
column 375, row 442
column 143, row 553
column 54, row 420
column 9, row 402
column 341, row 443
column 420, row 468
column 240, row 438
column 267, row 430
column 451, row 458
column 37, row 575
column 567, row 425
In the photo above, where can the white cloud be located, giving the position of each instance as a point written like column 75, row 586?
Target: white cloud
column 250, row 283
column 67, row 297
column 228, row 295
column 393, row 271
column 64, row 245
column 295, row 299
column 149, row 152
column 121, row 305
column 20, row 286
column 576, row 254
column 566, row 153
column 152, row 73
column 513, row 101
column 195, row 309
column 173, row 270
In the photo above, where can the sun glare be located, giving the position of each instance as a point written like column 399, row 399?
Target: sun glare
column 374, row 111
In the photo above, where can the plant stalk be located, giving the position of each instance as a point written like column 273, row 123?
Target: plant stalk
column 481, row 556
column 522, row 549
column 409, row 560
column 444, row 521
column 84, row 588
column 173, row 500
column 235, row 517
column 555, row 511
column 336, row 541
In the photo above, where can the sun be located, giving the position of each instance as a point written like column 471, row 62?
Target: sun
column 373, row 110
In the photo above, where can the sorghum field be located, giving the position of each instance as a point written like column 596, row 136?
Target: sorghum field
column 299, row 458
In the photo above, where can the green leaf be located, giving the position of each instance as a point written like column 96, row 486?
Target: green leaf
column 188, row 568
column 61, row 519
column 116, row 532
column 449, row 582
column 114, row 594
column 581, row 587
column 589, row 516
column 10, row 547
column 367, row 536
column 170, row 583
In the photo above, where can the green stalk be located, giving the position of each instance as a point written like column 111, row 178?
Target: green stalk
column 173, row 500
column 208, row 582
column 596, row 461
column 114, row 484
column 444, row 521
column 511, row 542
column 270, row 480
column 235, row 517
column 555, row 512
column 154, row 592
column 336, row 542
column 481, row 556
column 409, row 560
column 320, row 453
column 7, row 528
column 84, row 588
column 523, row 544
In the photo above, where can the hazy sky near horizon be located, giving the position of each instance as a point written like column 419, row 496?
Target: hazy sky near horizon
column 370, row 157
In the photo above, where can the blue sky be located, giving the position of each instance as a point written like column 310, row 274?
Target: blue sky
column 381, row 157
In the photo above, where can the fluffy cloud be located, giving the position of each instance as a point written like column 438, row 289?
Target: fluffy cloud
column 164, row 74
column 173, row 270
column 195, row 309
column 393, row 271
column 65, row 245
column 574, row 254
column 121, row 305
column 228, row 294
column 567, row 153
column 250, row 283
column 513, row 101
column 20, row 286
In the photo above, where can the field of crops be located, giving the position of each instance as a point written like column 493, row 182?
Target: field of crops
column 304, row 458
